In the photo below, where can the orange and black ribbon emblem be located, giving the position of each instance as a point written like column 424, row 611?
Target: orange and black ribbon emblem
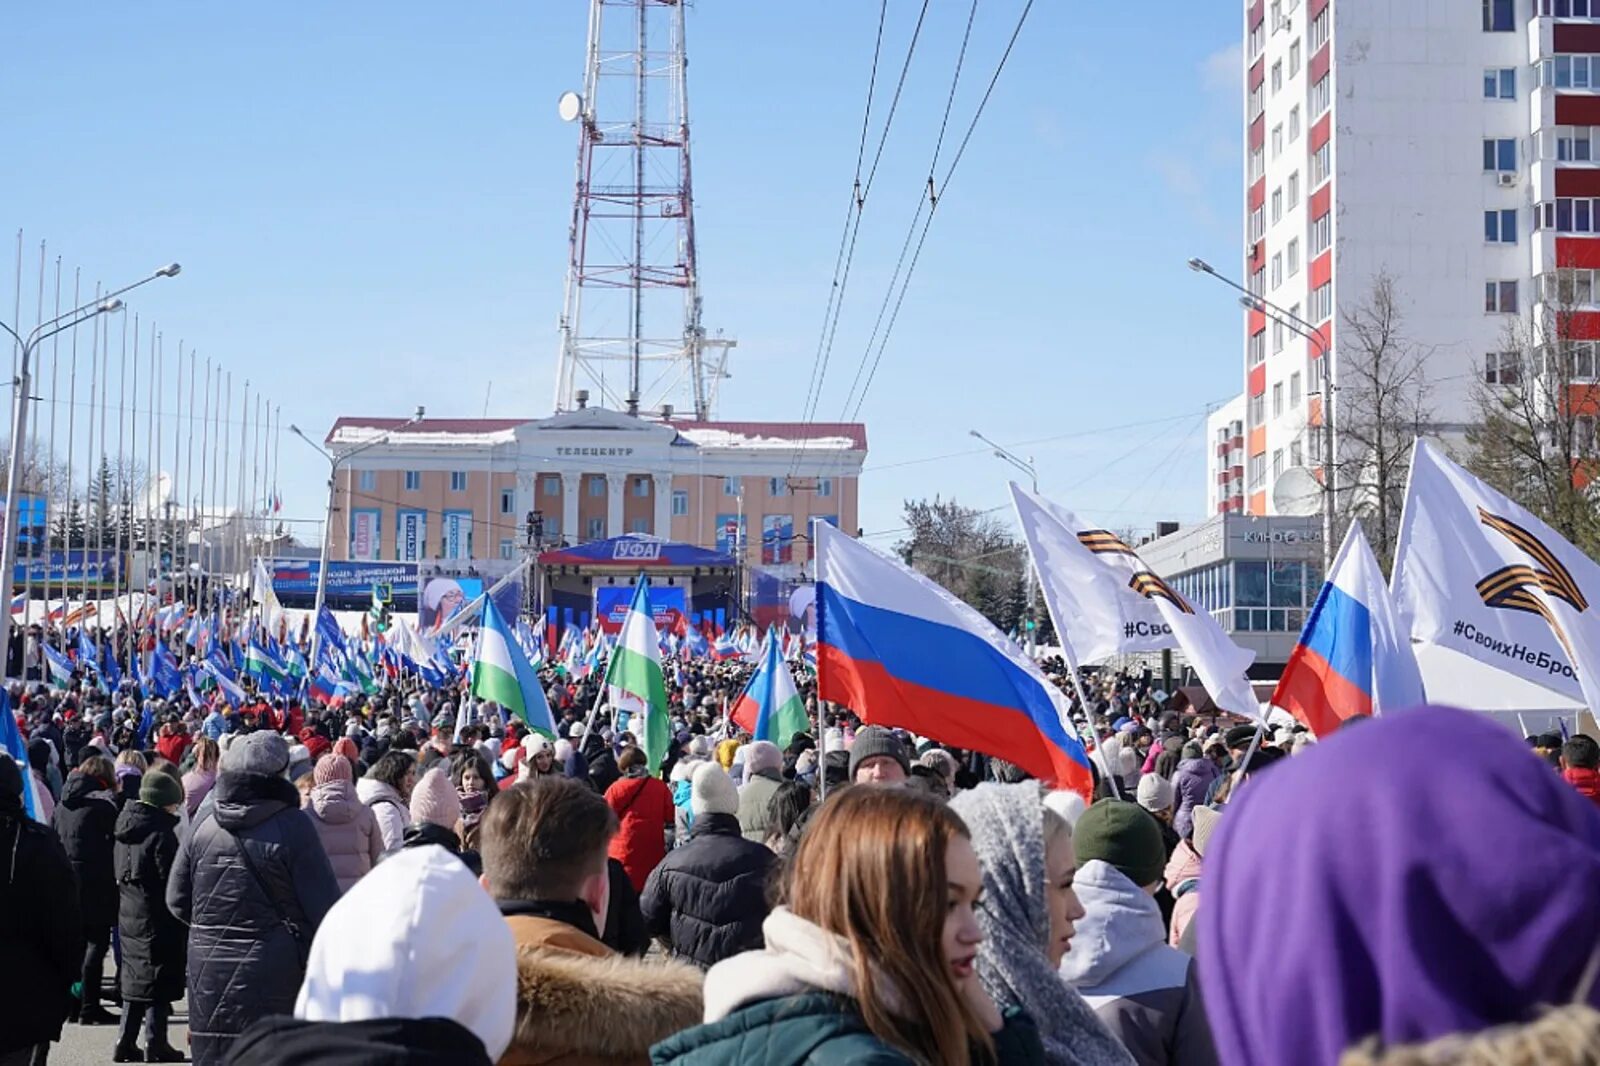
column 1521, row 587
column 1146, row 584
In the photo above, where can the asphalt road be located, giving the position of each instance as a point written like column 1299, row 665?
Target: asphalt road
column 91, row 1045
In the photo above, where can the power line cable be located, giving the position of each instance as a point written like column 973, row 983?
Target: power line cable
column 859, row 194
column 934, row 194
column 834, row 288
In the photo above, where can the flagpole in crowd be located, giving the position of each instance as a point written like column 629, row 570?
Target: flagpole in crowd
column 53, row 485
column 19, row 428
column 33, row 545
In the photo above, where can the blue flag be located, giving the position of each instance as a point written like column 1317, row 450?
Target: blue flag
column 328, row 629
column 109, row 670
column 136, row 671
column 146, row 720
column 230, row 689
column 164, row 674
column 87, row 653
column 12, row 744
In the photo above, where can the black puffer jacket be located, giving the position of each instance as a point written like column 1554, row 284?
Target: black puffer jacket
column 41, row 933
column 85, row 819
column 709, row 897
column 244, row 962
column 423, row 834
column 153, row 941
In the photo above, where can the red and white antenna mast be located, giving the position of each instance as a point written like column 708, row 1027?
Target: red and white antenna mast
column 630, row 321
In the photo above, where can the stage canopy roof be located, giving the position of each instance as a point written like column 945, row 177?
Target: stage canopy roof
column 635, row 550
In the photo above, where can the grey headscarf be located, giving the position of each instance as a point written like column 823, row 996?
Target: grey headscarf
column 1007, row 823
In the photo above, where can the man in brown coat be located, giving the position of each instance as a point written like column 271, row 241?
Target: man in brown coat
column 578, row 1002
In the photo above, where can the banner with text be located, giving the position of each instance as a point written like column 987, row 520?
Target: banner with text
column 611, row 605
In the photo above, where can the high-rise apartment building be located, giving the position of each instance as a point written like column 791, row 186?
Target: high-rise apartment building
column 1454, row 147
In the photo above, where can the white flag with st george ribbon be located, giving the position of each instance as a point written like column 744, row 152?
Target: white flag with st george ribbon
column 1097, row 614
column 1103, row 598
column 1481, row 575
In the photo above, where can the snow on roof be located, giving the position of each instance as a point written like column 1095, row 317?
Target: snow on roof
column 827, row 436
column 840, row 436
column 359, row 430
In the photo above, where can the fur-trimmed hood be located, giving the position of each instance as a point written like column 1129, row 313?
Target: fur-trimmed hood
column 579, row 1008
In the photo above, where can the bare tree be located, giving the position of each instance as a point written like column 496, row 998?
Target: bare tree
column 1536, row 402
column 969, row 552
column 40, row 469
column 1381, row 407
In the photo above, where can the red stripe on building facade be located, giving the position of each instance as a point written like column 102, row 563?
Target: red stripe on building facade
column 1578, row 253
column 1578, row 110
column 1577, row 182
column 1320, row 130
column 1576, row 37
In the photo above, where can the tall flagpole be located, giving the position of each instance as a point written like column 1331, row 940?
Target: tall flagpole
column 136, row 480
column 227, row 441
column 107, row 498
column 43, row 493
column 175, row 497
column 188, row 491
column 244, row 440
column 255, row 482
column 200, row 524
column 123, row 582
column 52, row 500
column 91, row 464
column 72, row 441
column 152, row 475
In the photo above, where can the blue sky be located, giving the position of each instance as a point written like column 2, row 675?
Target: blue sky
column 370, row 203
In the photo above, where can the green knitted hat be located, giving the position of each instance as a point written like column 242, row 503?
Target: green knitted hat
column 1124, row 835
column 159, row 790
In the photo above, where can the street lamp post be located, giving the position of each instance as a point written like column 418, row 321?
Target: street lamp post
column 1027, row 467
column 334, row 462
column 1330, row 481
column 107, row 304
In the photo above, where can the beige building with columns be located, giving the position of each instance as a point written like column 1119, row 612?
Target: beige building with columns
column 459, row 489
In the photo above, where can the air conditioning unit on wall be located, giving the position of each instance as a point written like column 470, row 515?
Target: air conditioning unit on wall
column 1508, row 179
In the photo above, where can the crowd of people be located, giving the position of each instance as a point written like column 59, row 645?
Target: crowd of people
column 412, row 878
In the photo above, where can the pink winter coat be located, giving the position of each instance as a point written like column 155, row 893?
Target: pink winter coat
column 197, row 785
column 1183, row 881
column 348, row 830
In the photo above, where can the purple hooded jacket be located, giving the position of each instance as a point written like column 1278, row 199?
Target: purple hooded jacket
column 1191, row 781
column 1416, row 876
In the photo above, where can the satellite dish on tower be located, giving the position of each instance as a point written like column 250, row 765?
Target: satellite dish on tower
column 1297, row 492
column 569, row 107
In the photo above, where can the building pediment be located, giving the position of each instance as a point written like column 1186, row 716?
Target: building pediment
column 598, row 419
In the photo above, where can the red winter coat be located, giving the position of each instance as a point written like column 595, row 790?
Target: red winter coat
column 644, row 807
column 1586, row 781
column 172, row 744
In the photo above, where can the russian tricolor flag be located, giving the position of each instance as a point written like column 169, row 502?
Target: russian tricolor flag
column 1354, row 658
column 900, row 651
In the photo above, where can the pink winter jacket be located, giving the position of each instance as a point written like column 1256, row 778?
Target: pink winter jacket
column 348, row 830
column 1183, row 881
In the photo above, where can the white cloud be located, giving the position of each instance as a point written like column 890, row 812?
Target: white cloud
column 1223, row 70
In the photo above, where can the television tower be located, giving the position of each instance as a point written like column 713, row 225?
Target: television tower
column 630, row 320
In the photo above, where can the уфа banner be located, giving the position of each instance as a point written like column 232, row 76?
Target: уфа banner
column 99, row 569
column 611, row 604
column 298, row 577
column 411, row 536
column 444, row 597
column 458, row 534
column 364, row 535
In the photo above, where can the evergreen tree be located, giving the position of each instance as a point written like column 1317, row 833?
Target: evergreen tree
column 68, row 529
column 101, row 525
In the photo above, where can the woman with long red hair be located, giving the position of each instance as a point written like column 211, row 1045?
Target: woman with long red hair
column 871, row 954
